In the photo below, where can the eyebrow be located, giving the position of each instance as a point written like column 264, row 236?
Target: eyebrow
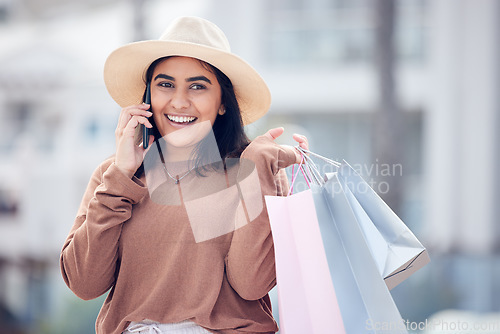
column 164, row 76
column 198, row 78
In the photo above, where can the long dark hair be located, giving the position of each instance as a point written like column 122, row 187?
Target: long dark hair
column 228, row 128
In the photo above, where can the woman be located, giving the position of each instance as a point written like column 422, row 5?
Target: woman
column 177, row 232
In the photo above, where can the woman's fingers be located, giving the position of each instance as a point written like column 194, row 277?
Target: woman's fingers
column 128, row 112
column 136, row 110
column 303, row 143
column 274, row 133
column 134, row 122
column 302, row 140
column 129, row 155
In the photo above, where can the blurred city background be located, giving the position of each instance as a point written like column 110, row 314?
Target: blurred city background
column 379, row 83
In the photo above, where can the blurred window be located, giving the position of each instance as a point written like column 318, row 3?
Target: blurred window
column 5, row 10
column 92, row 129
column 15, row 123
column 4, row 13
column 339, row 32
column 29, row 120
column 8, row 203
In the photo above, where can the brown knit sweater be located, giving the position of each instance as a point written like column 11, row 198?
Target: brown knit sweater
column 159, row 263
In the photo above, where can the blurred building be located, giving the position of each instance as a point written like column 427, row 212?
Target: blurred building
column 318, row 59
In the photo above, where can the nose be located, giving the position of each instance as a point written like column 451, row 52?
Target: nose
column 179, row 99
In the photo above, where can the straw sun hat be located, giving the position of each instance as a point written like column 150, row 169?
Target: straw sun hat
column 125, row 68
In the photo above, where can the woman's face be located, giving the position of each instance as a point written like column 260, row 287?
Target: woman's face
column 183, row 95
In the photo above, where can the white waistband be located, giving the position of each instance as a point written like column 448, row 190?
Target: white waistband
column 151, row 327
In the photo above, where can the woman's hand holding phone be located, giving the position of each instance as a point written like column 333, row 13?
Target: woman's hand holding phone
column 129, row 156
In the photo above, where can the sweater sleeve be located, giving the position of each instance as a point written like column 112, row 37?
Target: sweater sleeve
column 250, row 261
column 89, row 255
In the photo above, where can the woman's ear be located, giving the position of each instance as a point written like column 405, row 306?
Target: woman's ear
column 222, row 110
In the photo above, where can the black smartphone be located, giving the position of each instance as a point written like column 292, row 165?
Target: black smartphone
column 146, row 130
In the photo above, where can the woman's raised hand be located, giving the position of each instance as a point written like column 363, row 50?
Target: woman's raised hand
column 300, row 139
column 129, row 155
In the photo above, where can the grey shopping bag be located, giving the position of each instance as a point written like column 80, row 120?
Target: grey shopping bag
column 365, row 302
column 396, row 250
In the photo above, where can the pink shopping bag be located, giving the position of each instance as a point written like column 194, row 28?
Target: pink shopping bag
column 306, row 296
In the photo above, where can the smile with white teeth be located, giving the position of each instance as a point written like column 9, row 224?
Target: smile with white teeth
column 181, row 119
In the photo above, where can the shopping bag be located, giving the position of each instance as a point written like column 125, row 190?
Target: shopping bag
column 396, row 250
column 307, row 301
column 365, row 302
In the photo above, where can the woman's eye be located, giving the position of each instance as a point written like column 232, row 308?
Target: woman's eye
column 197, row 86
column 166, row 84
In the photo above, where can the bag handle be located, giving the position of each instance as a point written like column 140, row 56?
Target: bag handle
column 309, row 169
column 294, row 175
column 311, row 166
column 325, row 159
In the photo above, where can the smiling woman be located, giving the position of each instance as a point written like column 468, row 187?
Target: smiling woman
column 184, row 96
column 178, row 232
column 228, row 130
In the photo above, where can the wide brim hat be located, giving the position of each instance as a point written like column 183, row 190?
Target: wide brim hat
column 125, row 68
